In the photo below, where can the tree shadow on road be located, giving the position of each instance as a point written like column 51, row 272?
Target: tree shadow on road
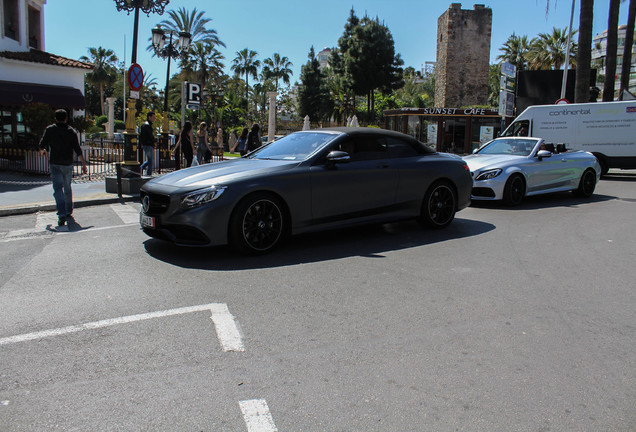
column 367, row 241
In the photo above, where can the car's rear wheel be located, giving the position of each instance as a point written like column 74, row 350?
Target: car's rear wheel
column 587, row 184
column 257, row 224
column 439, row 206
column 514, row 190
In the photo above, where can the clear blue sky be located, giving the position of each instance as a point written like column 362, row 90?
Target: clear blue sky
column 291, row 27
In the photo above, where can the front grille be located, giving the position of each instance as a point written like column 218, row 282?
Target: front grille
column 483, row 192
column 154, row 204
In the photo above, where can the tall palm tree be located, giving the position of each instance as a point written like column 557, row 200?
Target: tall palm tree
column 193, row 22
column 627, row 49
column 278, row 67
column 547, row 50
column 515, row 51
column 246, row 63
column 203, row 61
column 584, row 55
column 104, row 61
column 611, row 51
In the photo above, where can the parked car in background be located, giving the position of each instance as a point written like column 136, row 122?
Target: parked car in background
column 512, row 168
column 306, row 181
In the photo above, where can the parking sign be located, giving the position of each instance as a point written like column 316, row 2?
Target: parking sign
column 193, row 94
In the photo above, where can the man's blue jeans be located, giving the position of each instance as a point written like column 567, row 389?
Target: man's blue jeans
column 149, row 151
column 61, row 175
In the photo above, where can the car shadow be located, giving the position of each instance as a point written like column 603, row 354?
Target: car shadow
column 371, row 241
column 551, row 200
column 620, row 176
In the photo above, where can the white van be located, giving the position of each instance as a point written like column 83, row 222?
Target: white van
column 605, row 129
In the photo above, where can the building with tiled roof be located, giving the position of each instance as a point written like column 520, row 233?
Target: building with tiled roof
column 28, row 73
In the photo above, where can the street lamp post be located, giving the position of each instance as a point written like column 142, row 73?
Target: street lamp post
column 130, row 144
column 169, row 51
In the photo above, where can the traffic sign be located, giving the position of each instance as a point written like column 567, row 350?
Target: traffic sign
column 562, row 101
column 193, row 94
column 508, row 69
column 135, row 77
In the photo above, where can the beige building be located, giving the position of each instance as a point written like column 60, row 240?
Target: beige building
column 463, row 54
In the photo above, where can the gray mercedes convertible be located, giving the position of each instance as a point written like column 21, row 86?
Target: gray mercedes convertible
column 307, row 181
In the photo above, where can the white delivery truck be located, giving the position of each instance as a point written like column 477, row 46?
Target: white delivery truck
column 605, row 129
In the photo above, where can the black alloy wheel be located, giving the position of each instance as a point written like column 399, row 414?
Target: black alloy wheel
column 587, row 184
column 515, row 190
column 439, row 206
column 257, row 224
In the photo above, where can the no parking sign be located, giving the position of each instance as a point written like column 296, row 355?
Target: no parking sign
column 135, row 77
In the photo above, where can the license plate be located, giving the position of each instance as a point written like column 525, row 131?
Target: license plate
column 146, row 221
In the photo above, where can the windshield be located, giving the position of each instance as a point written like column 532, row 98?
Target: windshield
column 294, row 147
column 516, row 147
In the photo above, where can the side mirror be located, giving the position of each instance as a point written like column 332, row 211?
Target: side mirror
column 543, row 154
column 337, row 156
column 475, row 151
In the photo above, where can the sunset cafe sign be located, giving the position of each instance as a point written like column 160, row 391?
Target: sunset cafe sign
column 445, row 111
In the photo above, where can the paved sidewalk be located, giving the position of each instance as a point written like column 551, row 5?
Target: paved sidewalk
column 24, row 194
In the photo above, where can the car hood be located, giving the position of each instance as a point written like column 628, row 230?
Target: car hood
column 478, row 162
column 221, row 172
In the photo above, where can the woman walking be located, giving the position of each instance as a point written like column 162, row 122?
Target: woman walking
column 202, row 142
column 253, row 139
column 241, row 141
column 185, row 143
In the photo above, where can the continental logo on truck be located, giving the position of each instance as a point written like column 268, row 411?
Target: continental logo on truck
column 570, row 112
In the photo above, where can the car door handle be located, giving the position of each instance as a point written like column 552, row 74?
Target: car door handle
column 383, row 165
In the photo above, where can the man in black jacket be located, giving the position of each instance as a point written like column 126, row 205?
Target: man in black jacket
column 60, row 141
column 148, row 142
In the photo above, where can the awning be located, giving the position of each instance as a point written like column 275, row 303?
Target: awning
column 16, row 94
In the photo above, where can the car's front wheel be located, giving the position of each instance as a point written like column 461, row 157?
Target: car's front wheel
column 587, row 184
column 439, row 206
column 257, row 224
column 514, row 190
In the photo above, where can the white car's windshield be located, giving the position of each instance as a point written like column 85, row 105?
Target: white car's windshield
column 294, row 147
column 517, row 147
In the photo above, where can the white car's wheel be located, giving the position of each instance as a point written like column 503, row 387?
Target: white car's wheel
column 587, row 184
column 514, row 190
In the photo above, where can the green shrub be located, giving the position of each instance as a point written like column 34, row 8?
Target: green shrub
column 101, row 120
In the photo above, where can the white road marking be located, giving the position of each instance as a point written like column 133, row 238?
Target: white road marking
column 257, row 416
column 30, row 234
column 126, row 213
column 45, row 219
column 227, row 331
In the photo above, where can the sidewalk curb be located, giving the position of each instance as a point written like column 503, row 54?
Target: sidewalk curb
column 23, row 209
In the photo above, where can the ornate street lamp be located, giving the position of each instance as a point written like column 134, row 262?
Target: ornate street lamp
column 130, row 144
column 169, row 51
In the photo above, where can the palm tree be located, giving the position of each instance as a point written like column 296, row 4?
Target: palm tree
column 584, row 55
column 627, row 49
column 192, row 22
column 246, row 63
column 203, row 61
column 547, row 50
column 104, row 61
column 611, row 51
column 515, row 51
column 278, row 68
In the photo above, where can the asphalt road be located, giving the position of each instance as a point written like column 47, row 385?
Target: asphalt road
column 517, row 319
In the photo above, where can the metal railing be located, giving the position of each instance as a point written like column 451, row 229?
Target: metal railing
column 101, row 156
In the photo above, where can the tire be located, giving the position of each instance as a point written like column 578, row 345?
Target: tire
column 439, row 206
column 257, row 224
column 514, row 190
column 587, row 184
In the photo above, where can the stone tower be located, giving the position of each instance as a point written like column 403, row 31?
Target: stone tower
column 463, row 54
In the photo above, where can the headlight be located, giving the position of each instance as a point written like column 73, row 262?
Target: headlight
column 490, row 174
column 202, row 196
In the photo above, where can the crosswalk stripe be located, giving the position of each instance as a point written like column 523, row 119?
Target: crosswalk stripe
column 257, row 416
column 45, row 219
column 126, row 213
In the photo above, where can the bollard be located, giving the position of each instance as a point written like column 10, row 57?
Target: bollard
column 118, row 170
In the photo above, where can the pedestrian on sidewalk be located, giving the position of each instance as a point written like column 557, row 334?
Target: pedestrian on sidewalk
column 253, row 139
column 148, row 142
column 242, row 141
column 59, row 142
column 202, row 143
column 185, row 144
